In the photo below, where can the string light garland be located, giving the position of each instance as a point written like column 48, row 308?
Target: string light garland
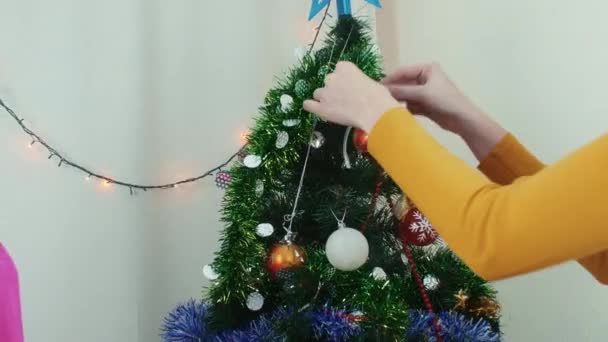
column 107, row 181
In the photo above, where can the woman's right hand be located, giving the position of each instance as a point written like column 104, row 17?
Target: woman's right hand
column 427, row 91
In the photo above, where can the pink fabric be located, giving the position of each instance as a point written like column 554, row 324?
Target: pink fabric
column 11, row 328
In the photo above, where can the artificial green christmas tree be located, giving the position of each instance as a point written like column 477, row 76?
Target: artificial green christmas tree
column 289, row 268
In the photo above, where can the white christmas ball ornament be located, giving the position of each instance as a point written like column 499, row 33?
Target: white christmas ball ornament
column 255, row 301
column 347, row 249
column 209, row 273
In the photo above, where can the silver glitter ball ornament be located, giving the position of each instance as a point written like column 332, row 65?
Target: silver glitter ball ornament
column 302, row 89
column 255, row 301
column 264, row 229
column 378, row 274
column 317, row 140
column 282, row 139
column 291, row 122
column 223, row 180
column 252, row 161
column 430, row 282
column 259, row 187
column 286, row 103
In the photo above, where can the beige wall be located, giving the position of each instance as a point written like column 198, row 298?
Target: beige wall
column 541, row 68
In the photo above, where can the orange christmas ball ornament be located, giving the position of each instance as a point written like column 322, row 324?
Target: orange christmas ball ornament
column 284, row 255
column 360, row 140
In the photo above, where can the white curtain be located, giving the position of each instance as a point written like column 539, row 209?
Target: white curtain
column 147, row 91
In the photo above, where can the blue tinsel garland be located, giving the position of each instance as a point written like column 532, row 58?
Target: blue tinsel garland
column 455, row 327
column 334, row 325
column 186, row 324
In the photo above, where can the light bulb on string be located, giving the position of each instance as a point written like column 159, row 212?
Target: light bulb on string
column 307, row 34
column 87, row 178
column 244, row 136
column 106, row 183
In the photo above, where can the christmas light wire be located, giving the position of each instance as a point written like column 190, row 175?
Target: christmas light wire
column 133, row 187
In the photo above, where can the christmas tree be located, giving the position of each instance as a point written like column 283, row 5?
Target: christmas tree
column 289, row 268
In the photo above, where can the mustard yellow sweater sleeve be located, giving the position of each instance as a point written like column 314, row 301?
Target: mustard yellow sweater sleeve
column 508, row 161
column 555, row 215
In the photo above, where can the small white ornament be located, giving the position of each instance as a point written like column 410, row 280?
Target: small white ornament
column 433, row 249
column 430, row 282
column 286, row 103
column 291, row 122
column 300, row 53
column 378, row 274
column 404, row 259
column 347, row 249
column 282, row 139
column 259, row 187
column 264, row 230
column 210, row 273
column 252, row 161
column 317, row 140
column 401, row 207
column 255, row 301
column 381, row 204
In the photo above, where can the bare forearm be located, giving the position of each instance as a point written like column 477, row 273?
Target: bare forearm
column 480, row 132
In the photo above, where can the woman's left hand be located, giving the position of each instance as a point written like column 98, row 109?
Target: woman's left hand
column 351, row 98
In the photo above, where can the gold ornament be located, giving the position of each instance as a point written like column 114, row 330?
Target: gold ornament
column 461, row 300
column 487, row 307
column 284, row 255
column 401, row 207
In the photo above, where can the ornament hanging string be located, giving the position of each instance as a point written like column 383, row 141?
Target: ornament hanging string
column 289, row 218
column 133, row 187
column 372, row 204
column 420, row 284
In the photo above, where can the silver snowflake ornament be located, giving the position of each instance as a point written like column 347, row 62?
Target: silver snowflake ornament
column 255, row 301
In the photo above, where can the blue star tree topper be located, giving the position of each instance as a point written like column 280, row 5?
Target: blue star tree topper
column 344, row 6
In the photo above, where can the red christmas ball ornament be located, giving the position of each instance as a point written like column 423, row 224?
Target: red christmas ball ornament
column 416, row 229
column 360, row 140
column 283, row 256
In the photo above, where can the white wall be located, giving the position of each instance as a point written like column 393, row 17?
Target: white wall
column 539, row 67
column 134, row 88
column 145, row 90
column 73, row 69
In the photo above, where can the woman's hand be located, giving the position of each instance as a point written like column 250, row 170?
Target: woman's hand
column 429, row 92
column 351, row 98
